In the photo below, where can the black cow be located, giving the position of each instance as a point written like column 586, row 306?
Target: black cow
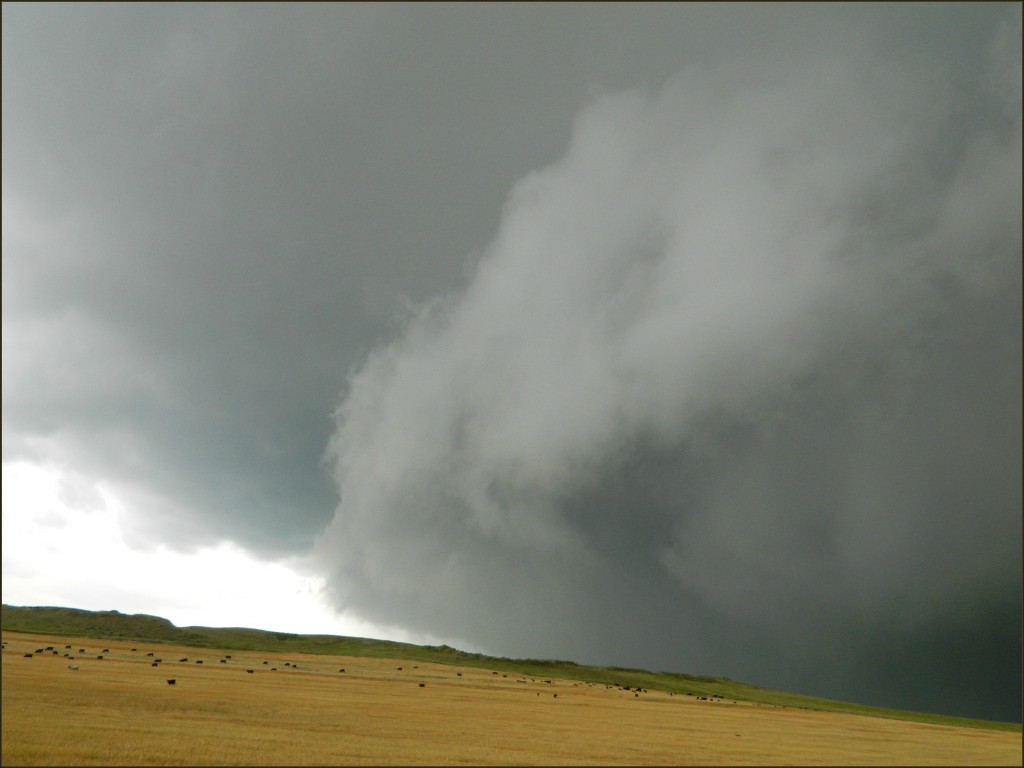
column 28, row 655
column 100, row 656
column 172, row 681
column 155, row 664
column 199, row 661
column 182, row 660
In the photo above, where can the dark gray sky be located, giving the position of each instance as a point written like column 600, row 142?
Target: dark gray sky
column 679, row 336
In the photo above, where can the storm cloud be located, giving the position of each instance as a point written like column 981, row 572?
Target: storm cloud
column 735, row 388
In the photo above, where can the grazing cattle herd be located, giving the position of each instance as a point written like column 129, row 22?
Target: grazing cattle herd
column 226, row 659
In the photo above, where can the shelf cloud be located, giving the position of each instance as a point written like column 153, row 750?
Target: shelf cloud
column 736, row 387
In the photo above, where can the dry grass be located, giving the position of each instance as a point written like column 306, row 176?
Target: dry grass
column 120, row 710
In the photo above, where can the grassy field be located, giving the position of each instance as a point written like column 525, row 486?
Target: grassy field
column 112, row 625
column 299, row 708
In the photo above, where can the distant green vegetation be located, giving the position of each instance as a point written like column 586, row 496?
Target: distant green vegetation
column 113, row 625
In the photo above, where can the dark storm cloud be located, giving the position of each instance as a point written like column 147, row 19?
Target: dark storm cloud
column 212, row 212
column 735, row 388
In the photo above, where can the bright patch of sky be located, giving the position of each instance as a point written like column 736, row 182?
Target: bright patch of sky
column 62, row 550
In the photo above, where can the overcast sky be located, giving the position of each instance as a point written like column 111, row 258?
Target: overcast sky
column 677, row 336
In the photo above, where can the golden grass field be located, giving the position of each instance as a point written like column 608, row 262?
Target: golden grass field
column 121, row 711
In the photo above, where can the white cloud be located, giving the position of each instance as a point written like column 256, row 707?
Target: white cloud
column 62, row 553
